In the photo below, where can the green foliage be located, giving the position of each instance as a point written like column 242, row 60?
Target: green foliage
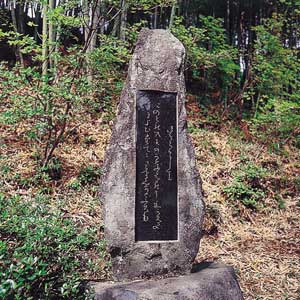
column 132, row 32
column 45, row 106
column 110, row 57
column 148, row 5
column 274, row 92
column 247, row 187
column 242, row 192
column 26, row 43
column 58, row 18
column 209, row 57
column 75, row 185
column 89, row 174
column 49, row 104
column 41, row 251
column 107, row 63
column 53, row 169
column 191, row 37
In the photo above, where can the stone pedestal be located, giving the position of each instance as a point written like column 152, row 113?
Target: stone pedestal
column 210, row 281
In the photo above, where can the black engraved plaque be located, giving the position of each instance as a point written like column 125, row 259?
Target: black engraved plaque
column 156, row 216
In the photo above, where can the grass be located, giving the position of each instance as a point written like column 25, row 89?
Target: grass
column 51, row 220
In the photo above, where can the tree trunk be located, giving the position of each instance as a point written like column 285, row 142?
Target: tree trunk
column 155, row 18
column 51, row 36
column 86, row 17
column 96, row 15
column 227, row 20
column 18, row 53
column 179, row 8
column 57, row 43
column 103, row 15
column 172, row 16
column 21, row 18
column 37, row 20
column 123, row 20
column 91, row 34
column 116, row 25
column 87, row 35
column 45, row 41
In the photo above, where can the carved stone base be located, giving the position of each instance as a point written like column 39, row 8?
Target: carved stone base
column 209, row 281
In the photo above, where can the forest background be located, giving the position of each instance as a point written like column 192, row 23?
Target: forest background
column 62, row 68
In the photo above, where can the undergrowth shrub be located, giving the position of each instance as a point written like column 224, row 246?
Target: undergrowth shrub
column 89, row 174
column 41, row 109
column 42, row 252
column 247, row 186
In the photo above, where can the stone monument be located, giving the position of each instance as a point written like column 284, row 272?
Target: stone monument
column 151, row 188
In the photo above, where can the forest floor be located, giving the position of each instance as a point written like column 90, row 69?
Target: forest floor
column 261, row 240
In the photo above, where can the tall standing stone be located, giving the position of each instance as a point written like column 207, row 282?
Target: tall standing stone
column 151, row 188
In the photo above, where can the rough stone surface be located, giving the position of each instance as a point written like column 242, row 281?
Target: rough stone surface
column 157, row 64
column 212, row 282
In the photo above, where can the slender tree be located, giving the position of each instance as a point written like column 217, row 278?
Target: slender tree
column 45, row 40
column 51, row 35
column 15, row 9
column 123, row 21
column 172, row 16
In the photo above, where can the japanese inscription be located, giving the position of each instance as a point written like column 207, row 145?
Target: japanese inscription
column 156, row 204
